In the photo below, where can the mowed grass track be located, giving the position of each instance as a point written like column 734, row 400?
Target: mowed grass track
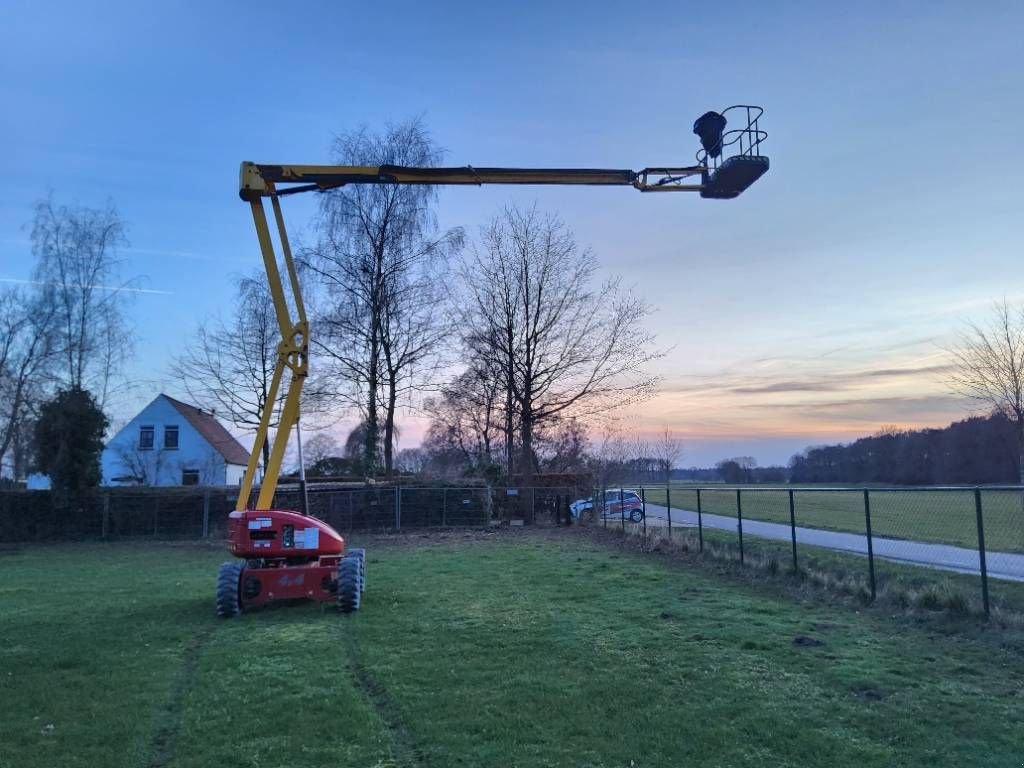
column 521, row 650
column 946, row 517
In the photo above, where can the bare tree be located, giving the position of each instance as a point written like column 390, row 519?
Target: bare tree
column 491, row 321
column 464, row 418
column 76, row 252
column 27, row 352
column 565, row 346
column 608, row 456
column 375, row 259
column 319, row 447
column 413, row 461
column 229, row 366
column 989, row 368
column 562, row 446
column 141, row 466
column 414, row 332
column 667, row 450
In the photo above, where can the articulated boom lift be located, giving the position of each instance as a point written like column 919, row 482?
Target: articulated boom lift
column 291, row 555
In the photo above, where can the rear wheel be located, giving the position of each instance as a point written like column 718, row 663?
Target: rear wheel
column 636, row 515
column 229, row 579
column 350, row 584
column 360, row 555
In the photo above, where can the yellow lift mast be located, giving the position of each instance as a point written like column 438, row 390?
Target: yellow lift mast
column 727, row 164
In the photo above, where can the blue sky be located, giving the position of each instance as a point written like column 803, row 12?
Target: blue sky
column 814, row 308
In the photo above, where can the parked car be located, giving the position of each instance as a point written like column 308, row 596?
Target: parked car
column 617, row 503
column 581, row 506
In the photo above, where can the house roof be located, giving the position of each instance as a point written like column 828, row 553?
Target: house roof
column 213, row 432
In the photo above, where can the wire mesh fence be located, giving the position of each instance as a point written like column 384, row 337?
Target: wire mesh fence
column 944, row 548
column 198, row 513
column 951, row 548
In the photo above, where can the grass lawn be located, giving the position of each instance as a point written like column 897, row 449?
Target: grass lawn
column 947, row 517
column 516, row 649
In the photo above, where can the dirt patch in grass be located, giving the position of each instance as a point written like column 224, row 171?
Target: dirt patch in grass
column 165, row 738
column 803, row 641
column 869, row 693
column 403, row 746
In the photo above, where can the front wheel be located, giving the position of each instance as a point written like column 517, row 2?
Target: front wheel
column 350, row 584
column 636, row 515
column 360, row 555
column 229, row 580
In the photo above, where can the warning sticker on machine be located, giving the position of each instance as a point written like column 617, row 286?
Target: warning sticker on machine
column 260, row 522
column 308, row 538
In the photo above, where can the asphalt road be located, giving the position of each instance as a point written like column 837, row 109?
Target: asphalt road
column 1000, row 565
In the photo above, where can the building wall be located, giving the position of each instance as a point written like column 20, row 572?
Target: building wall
column 234, row 474
column 123, row 457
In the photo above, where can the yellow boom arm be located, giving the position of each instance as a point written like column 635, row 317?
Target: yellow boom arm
column 722, row 180
column 264, row 180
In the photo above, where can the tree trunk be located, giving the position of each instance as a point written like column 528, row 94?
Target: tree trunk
column 509, row 409
column 389, row 426
column 372, row 425
column 20, row 450
column 526, row 435
column 1020, row 459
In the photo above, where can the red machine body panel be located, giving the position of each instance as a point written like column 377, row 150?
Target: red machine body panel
column 281, row 534
column 313, row 581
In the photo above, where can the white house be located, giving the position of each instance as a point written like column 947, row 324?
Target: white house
column 173, row 443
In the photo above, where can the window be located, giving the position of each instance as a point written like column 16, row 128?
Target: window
column 145, row 438
column 190, row 477
column 171, row 437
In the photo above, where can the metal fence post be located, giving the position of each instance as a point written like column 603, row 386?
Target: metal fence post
column 398, row 507
column 739, row 522
column 871, row 551
column 700, row 523
column 351, row 509
column 643, row 508
column 981, row 550
column 792, row 526
column 668, row 506
column 622, row 514
column 206, row 513
column 444, row 508
column 106, row 515
column 603, row 512
column 156, row 514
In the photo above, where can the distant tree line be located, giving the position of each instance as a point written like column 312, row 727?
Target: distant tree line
column 975, row 450
column 736, row 471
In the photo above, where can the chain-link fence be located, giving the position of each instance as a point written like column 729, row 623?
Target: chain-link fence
column 198, row 513
column 944, row 548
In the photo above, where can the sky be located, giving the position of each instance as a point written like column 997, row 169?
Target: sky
column 817, row 307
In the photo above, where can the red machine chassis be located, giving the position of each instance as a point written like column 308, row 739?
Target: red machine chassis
column 287, row 556
column 315, row 580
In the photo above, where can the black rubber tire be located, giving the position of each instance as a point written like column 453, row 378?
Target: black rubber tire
column 229, row 580
column 350, row 584
column 636, row 515
column 360, row 555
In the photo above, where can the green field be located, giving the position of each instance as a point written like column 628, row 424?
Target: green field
column 480, row 650
column 946, row 517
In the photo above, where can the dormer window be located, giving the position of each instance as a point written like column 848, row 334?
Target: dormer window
column 171, row 437
column 145, row 438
